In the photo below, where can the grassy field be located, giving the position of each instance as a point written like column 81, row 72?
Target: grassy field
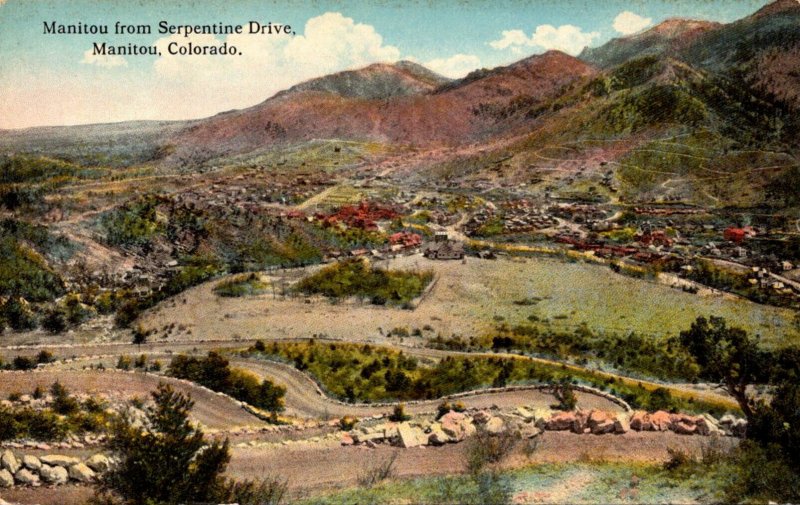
column 471, row 299
column 547, row 483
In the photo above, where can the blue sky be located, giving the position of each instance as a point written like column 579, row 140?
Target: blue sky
column 54, row 79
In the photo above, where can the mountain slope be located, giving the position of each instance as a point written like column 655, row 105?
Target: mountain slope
column 447, row 115
column 667, row 38
column 376, row 81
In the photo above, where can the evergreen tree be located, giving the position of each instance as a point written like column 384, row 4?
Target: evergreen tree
column 167, row 461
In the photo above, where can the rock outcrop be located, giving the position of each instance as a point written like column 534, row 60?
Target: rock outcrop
column 52, row 469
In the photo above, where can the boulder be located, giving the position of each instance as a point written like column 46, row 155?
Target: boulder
column 526, row 414
column 561, row 421
column 31, row 462
column 437, row 436
column 6, row 479
column 727, row 420
column 26, row 477
column 481, row 417
column 81, row 473
column 707, row 426
column 347, row 440
column 469, row 429
column 410, row 436
column 59, row 460
column 660, row 420
column 541, row 416
column 529, row 430
column 100, row 463
column 621, row 424
column 581, row 423
column 390, row 431
column 454, row 425
column 362, row 438
column 9, row 462
column 495, row 426
column 640, row 421
column 600, row 422
column 607, row 426
column 54, row 474
column 684, row 428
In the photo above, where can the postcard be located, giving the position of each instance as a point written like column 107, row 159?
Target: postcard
column 453, row 252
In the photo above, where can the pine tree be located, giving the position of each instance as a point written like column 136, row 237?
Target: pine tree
column 166, row 461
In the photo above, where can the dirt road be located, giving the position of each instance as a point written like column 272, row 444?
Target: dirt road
column 211, row 410
column 317, row 467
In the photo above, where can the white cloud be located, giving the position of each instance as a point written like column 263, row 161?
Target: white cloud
column 334, row 42
column 102, row 60
column 628, row 23
column 455, row 66
column 568, row 38
column 510, row 38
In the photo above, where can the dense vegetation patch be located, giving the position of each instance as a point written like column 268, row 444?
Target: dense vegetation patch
column 653, row 106
column 656, row 357
column 215, row 373
column 370, row 373
column 62, row 416
column 134, row 225
column 25, row 273
column 241, row 285
column 359, row 278
column 28, row 169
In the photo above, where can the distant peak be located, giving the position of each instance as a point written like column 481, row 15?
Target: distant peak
column 778, row 6
column 675, row 27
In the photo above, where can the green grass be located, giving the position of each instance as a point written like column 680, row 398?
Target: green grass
column 547, row 483
column 604, row 301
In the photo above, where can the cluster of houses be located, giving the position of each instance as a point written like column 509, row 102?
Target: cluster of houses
column 364, row 216
column 517, row 216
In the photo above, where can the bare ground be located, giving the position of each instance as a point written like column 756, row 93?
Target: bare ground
column 320, row 467
column 211, row 410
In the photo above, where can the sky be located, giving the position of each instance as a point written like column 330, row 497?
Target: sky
column 55, row 79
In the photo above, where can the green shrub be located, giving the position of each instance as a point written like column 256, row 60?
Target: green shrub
column 214, row 372
column 54, row 320
column 18, row 314
column 134, row 225
column 63, row 403
column 358, row 278
column 241, row 285
column 23, row 363
column 124, row 363
column 347, row 423
column 398, row 414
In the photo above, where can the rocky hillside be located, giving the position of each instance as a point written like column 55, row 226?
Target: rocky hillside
column 451, row 113
column 376, row 81
column 667, row 38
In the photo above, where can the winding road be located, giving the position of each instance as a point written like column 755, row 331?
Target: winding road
column 304, row 398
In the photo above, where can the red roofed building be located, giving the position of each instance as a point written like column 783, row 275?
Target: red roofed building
column 735, row 235
column 405, row 239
